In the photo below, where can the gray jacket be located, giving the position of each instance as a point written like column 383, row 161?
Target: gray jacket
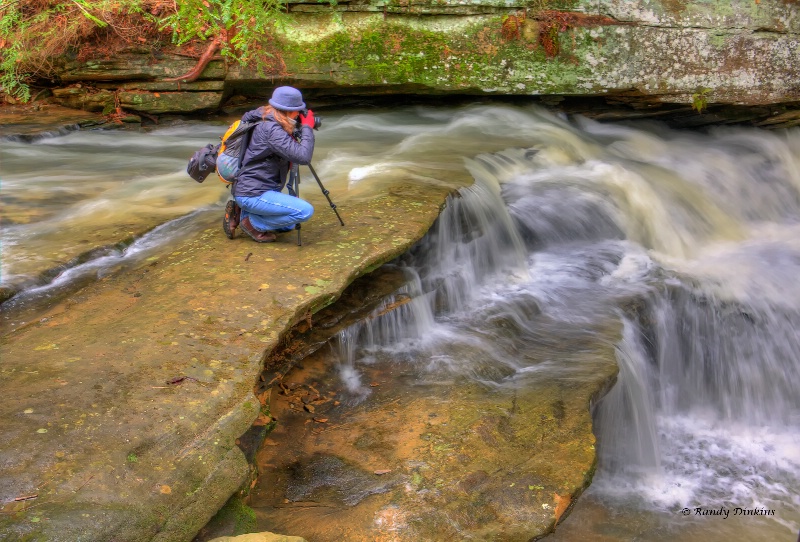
column 266, row 160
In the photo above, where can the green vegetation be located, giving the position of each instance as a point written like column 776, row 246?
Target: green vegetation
column 700, row 99
column 235, row 518
column 36, row 33
column 9, row 76
column 239, row 26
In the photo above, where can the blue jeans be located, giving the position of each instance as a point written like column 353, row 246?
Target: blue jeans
column 274, row 211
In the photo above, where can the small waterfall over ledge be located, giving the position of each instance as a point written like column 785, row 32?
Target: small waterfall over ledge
column 472, row 242
column 691, row 243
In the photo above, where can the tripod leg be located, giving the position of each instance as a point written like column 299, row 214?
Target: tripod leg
column 325, row 193
column 296, row 173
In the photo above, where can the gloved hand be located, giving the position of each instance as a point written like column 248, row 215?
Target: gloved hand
column 308, row 119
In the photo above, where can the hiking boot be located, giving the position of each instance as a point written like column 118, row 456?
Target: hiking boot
column 231, row 219
column 259, row 236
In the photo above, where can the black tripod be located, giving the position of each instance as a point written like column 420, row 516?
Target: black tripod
column 294, row 186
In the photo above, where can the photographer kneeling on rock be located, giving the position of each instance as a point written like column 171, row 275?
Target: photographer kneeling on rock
column 259, row 207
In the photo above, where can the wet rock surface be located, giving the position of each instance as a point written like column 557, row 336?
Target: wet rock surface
column 33, row 121
column 428, row 461
column 123, row 404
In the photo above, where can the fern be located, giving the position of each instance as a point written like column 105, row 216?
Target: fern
column 84, row 6
column 12, row 76
column 243, row 24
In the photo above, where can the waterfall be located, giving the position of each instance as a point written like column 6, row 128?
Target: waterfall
column 680, row 249
column 689, row 241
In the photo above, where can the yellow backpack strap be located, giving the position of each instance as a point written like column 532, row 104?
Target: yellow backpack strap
column 227, row 134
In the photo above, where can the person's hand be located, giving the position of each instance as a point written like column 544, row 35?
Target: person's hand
column 307, row 119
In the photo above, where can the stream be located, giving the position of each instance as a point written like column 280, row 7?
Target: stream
column 680, row 249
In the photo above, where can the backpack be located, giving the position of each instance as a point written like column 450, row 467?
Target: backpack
column 225, row 158
column 231, row 150
column 202, row 163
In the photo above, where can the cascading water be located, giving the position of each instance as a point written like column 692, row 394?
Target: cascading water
column 680, row 249
column 689, row 241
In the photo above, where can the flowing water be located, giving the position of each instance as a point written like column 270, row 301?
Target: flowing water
column 691, row 242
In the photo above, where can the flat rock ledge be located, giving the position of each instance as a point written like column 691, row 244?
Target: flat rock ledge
column 123, row 404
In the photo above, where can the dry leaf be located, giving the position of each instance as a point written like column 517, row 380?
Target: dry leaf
column 374, row 384
column 262, row 420
column 383, row 471
column 321, row 420
column 166, row 490
column 309, row 408
column 562, row 503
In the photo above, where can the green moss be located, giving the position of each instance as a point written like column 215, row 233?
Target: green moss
column 452, row 58
column 235, row 518
column 245, row 518
column 719, row 41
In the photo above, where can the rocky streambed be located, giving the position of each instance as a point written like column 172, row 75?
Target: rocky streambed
column 402, row 459
column 446, row 394
column 123, row 403
column 129, row 403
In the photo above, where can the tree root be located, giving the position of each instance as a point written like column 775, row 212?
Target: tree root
column 202, row 62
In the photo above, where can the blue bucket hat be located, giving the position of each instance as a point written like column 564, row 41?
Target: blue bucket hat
column 287, row 99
